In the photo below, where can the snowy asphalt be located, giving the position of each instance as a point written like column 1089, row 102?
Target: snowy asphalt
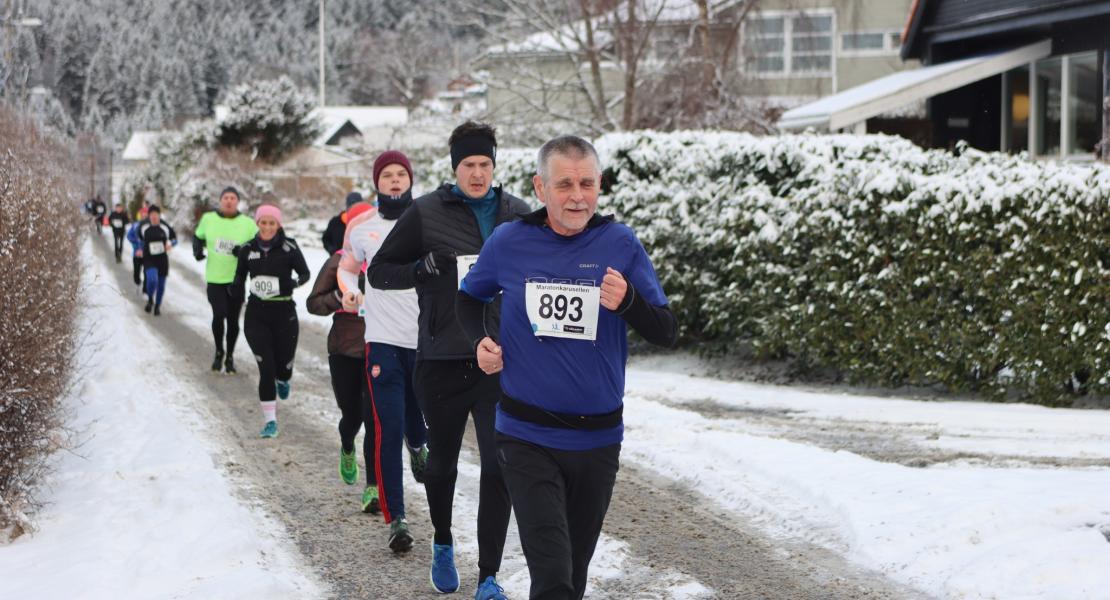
column 667, row 528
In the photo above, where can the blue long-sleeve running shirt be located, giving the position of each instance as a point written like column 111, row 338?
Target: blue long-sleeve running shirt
column 574, row 376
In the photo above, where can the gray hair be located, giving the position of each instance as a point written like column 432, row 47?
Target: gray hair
column 570, row 146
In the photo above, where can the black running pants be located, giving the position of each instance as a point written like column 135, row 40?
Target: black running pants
column 271, row 329
column 560, row 498
column 450, row 391
column 225, row 309
column 348, row 381
column 137, row 265
column 117, row 239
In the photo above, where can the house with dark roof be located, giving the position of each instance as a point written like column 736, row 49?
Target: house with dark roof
column 1010, row 75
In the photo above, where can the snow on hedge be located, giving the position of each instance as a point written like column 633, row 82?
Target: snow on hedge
column 892, row 264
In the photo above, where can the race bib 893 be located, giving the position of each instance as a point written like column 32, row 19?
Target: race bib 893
column 563, row 310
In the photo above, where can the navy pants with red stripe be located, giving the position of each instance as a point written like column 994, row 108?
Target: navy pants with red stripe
column 397, row 418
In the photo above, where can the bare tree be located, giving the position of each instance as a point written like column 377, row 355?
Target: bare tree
column 573, row 61
column 602, row 65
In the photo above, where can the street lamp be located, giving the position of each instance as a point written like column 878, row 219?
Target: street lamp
column 321, row 53
column 14, row 24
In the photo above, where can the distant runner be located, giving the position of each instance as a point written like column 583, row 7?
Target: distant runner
column 155, row 239
column 220, row 232
column 118, row 220
column 136, row 253
column 337, row 226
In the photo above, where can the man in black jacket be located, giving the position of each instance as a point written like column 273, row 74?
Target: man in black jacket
column 434, row 242
column 119, row 222
column 337, row 226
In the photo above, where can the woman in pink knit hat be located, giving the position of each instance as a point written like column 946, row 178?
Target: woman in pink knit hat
column 270, row 260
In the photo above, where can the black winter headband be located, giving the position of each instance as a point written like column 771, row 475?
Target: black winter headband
column 472, row 145
column 231, row 189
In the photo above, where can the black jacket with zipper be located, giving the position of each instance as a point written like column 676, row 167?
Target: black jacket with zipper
column 438, row 222
column 281, row 260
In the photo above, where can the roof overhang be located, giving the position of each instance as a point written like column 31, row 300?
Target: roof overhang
column 894, row 91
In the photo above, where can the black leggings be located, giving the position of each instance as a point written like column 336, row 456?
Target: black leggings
column 224, row 308
column 117, row 239
column 137, row 265
column 560, row 498
column 348, row 381
column 271, row 329
column 448, row 392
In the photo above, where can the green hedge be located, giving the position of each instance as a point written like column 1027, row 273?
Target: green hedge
column 867, row 255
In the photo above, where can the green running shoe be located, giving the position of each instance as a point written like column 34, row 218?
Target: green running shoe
column 270, row 430
column 400, row 540
column 418, row 461
column 282, row 389
column 348, row 467
column 370, row 502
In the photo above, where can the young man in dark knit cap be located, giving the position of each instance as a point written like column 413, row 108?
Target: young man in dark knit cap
column 390, row 351
column 432, row 246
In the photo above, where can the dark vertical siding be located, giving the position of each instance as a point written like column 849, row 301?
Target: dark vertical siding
column 947, row 13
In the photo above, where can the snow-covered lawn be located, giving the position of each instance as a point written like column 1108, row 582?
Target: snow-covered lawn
column 138, row 510
column 955, row 529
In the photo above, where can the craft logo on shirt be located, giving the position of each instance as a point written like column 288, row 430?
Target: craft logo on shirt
column 589, row 266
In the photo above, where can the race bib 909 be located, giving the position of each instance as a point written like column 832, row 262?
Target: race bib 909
column 265, row 286
column 563, row 310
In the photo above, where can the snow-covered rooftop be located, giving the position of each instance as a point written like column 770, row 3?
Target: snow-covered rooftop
column 565, row 37
column 897, row 90
column 141, row 145
column 333, row 118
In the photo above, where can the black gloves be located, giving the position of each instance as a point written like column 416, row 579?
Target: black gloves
column 432, row 265
column 198, row 249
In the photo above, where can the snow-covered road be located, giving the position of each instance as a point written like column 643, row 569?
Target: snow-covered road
column 955, row 499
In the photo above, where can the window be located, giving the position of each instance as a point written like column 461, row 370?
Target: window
column 1085, row 100
column 862, row 41
column 1019, row 109
column 871, row 42
column 1055, row 107
column 768, row 44
column 1048, row 104
column 812, row 44
column 789, row 44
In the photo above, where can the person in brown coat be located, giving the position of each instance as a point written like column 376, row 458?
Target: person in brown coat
column 347, row 363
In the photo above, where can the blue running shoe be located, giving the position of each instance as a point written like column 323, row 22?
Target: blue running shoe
column 283, row 389
column 270, row 430
column 489, row 590
column 445, row 577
